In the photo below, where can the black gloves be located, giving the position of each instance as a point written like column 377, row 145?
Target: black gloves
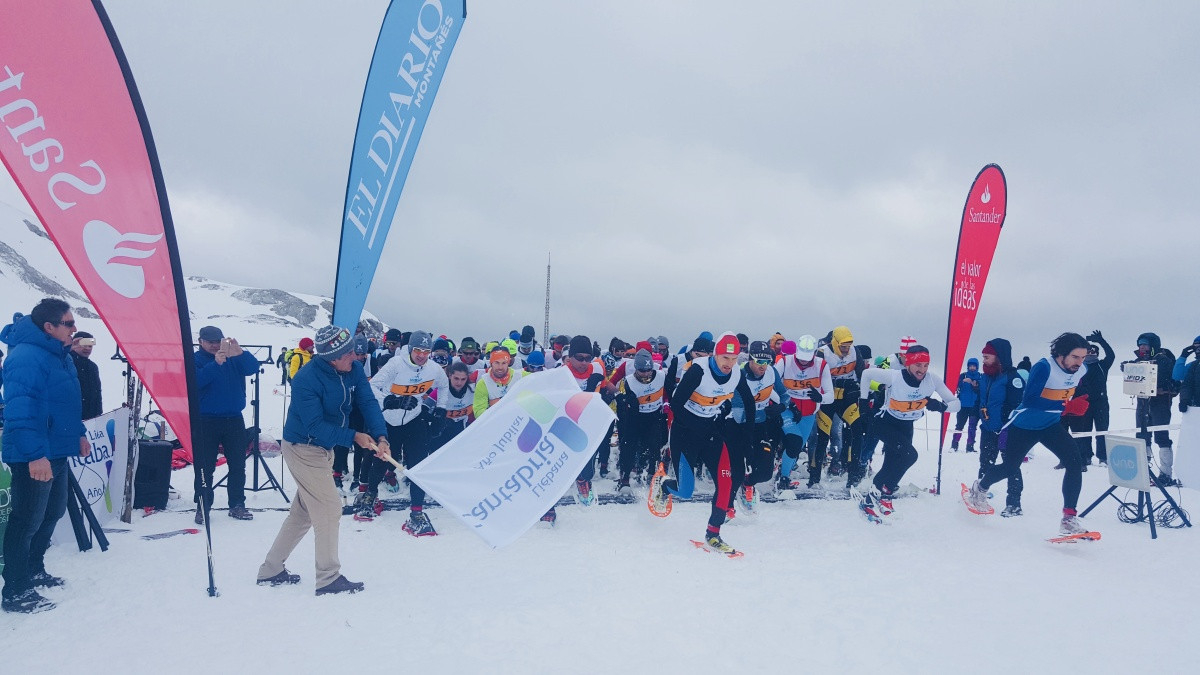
column 934, row 404
column 1095, row 336
column 726, row 408
column 774, row 410
column 813, row 394
column 1188, row 351
column 1183, row 407
column 394, row 402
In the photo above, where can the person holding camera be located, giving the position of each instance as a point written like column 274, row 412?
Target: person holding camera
column 1156, row 410
column 222, row 367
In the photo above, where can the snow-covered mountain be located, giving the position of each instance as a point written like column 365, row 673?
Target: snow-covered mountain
column 31, row 268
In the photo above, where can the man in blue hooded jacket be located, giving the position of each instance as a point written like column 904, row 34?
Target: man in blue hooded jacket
column 1000, row 390
column 43, row 426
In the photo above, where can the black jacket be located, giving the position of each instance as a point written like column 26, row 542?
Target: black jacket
column 1189, row 392
column 1095, row 380
column 89, row 386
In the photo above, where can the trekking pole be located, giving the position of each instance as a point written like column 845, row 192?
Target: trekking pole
column 212, row 585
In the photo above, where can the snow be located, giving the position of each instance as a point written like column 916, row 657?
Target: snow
column 613, row 587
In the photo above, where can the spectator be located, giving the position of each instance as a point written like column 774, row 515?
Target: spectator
column 281, row 364
column 89, row 375
column 1095, row 384
column 43, row 426
column 1156, row 410
column 968, row 398
column 315, row 425
column 222, row 367
column 300, row 356
column 391, row 342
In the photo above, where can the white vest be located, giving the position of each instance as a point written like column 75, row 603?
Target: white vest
column 458, row 408
column 649, row 396
column 709, row 395
column 797, row 379
column 763, row 390
column 904, row 401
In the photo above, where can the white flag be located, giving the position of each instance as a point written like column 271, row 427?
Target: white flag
column 508, row 468
column 101, row 474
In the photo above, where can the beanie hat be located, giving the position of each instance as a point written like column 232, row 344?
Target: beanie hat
column 332, row 342
column 863, row 351
column 441, row 343
column 972, row 362
column 645, row 344
column 580, row 344
column 775, row 339
column 761, row 350
column 536, row 359
column 706, row 335
column 392, row 335
column 514, row 335
column 527, row 334
column 906, row 342
column 653, row 342
column 509, row 344
column 787, row 347
column 643, row 361
column 664, row 344
column 211, row 334
column 560, row 341
column 989, row 349
column 420, row 340
column 728, row 344
column 360, row 344
column 306, row 344
column 703, row 344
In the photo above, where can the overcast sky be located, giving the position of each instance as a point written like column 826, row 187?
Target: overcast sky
column 700, row 165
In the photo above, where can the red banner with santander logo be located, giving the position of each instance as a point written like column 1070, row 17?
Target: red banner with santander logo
column 982, row 219
column 78, row 145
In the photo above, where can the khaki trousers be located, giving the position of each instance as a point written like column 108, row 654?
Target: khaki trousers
column 316, row 506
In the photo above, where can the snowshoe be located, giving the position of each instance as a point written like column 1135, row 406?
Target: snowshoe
column 418, row 525
column 748, row 498
column 583, row 493
column 976, row 500
column 625, row 495
column 393, row 485
column 713, row 543
column 659, row 501
column 867, row 506
column 364, row 507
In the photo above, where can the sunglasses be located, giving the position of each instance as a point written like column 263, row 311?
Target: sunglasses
column 469, row 355
column 68, row 324
column 422, row 351
column 763, row 362
column 582, row 357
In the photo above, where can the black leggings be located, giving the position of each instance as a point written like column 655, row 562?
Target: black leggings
column 412, row 440
column 758, row 455
column 1056, row 439
column 899, row 453
column 698, row 442
column 989, row 452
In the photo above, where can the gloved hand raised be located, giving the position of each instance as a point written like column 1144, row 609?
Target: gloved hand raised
column 1076, row 406
column 814, row 394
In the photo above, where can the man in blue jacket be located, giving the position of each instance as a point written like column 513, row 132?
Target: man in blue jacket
column 324, row 393
column 968, row 398
column 222, row 367
column 1000, row 390
column 43, row 426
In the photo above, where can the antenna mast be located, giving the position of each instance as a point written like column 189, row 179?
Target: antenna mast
column 546, row 327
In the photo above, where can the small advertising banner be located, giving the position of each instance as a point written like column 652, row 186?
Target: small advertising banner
column 1127, row 463
column 514, row 462
column 101, row 475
